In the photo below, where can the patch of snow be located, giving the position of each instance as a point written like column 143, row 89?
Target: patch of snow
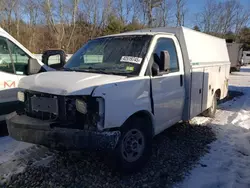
column 200, row 120
column 9, row 146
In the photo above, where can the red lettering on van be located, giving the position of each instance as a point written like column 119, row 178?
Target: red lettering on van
column 9, row 84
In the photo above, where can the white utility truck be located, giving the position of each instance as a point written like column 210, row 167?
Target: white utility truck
column 117, row 92
column 235, row 52
column 17, row 62
column 246, row 58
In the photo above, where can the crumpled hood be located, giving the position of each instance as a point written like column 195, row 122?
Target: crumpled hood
column 66, row 83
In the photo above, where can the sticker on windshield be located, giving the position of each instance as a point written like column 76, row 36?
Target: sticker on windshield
column 130, row 59
column 130, row 68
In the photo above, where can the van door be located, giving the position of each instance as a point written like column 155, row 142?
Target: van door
column 168, row 88
column 8, row 80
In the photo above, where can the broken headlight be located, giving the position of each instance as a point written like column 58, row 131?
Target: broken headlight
column 90, row 111
column 81, row 106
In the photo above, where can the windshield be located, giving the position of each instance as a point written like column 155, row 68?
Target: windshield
column 111, row 55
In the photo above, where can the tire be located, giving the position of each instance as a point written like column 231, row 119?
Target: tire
column 135, row 145
column 212, row 110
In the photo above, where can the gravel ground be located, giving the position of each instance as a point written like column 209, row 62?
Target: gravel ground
column 175, row 152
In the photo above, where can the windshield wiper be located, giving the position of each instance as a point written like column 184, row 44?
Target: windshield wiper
column 67, row 69
column 96, row 70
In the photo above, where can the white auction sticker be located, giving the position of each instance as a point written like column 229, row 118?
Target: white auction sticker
column 130, row 59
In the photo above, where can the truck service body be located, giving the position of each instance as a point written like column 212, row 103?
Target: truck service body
column 160, row 76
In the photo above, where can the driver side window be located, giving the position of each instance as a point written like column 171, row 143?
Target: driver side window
column 20, row 59
column 166, row 44
column 5, row 58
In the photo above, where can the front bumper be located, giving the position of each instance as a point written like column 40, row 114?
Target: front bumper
column 27, row 129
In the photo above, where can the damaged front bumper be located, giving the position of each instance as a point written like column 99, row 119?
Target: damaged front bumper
column 27, row 129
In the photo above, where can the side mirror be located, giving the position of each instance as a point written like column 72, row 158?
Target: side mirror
column 54, row 58
column 155, row 69
column 33, row 66
column 165, row 59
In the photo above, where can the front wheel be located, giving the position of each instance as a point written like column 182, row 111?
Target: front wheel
column 134, row 147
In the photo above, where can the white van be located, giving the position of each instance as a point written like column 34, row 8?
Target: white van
column 120, row 91
column 16, row 62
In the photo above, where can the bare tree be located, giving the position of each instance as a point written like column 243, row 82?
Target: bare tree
column 8, row 7
column 148, row 6
column 124, row 8
column 74, row 13
column 62, row 23
column 31, row 7
column 180, row 12
column 164, row 14
column 223, row 17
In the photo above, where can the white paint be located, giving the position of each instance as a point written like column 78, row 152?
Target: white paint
column 205, row 48
column 196, row 91
column 168, row 94
column 67, row 83
column 124, row 98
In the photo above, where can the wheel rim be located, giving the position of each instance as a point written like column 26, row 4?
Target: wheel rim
column 133, row 145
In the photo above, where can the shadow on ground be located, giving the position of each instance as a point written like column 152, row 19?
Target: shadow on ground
column 3, row 129
column 232, row 95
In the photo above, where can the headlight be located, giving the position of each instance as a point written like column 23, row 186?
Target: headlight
column 81, row 106
column 21, row 96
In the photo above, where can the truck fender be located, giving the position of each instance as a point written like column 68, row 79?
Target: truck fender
column 143, row 114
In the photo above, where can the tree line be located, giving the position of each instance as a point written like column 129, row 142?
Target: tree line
column 68, row 24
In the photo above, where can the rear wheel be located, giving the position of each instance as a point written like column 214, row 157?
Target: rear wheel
column 212, row 110
column 134, row 147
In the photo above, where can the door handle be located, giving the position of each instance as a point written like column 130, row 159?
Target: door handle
column 181, row 80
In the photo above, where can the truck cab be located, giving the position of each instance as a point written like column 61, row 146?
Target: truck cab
column 17, row 62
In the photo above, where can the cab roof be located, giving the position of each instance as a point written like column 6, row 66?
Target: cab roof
column 150, row 31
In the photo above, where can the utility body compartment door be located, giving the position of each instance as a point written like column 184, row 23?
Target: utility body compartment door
column 197, row 78
column 168, row 91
